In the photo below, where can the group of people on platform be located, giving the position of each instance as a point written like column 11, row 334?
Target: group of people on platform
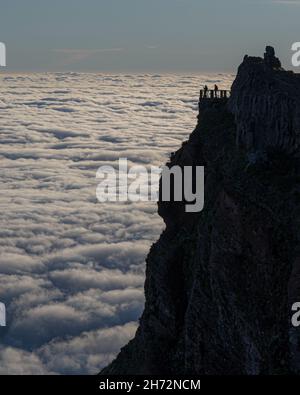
column 216, row 89
column 213, row 93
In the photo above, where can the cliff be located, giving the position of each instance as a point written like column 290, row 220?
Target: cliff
column 220, row 283
column 266, row 104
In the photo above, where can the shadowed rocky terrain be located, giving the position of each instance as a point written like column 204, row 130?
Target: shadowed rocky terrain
column 220, row 283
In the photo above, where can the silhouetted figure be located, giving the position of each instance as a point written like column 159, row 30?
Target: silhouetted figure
column 205, row 90
column 216, row 89
column 270, row 58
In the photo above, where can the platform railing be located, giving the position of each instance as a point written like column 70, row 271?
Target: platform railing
column 214, row 94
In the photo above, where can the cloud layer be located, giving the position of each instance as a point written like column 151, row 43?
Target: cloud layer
column 72, row 269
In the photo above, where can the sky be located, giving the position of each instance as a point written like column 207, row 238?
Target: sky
column 144, row 36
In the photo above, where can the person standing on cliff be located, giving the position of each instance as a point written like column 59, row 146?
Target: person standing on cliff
column 205, row 90
column 216, row 90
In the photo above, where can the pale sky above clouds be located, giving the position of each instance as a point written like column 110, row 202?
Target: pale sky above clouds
column 142, row 35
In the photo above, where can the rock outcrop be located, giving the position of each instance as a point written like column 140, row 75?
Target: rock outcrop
column 266, row 103
column 220, row 283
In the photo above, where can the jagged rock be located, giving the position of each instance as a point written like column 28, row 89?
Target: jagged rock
column 220, row 283
column 266, row 103
column 270, row 58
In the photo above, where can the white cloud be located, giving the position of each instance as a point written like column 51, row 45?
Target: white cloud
column 12, row 263
column 72, row 269
column 17, row 362
column 89, row 352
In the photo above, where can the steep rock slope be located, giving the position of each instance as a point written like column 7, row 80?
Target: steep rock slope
column 220, row 283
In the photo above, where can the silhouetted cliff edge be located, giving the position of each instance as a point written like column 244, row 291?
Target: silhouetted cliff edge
column 220, row 283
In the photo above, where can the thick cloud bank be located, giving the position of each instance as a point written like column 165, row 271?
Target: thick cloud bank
column 71, row 268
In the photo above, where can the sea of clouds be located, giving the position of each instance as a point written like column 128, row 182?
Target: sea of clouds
column 71, row 268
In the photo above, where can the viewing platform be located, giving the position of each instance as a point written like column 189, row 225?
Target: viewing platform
column 212, row 94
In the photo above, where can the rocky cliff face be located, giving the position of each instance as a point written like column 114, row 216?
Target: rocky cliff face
column 266, row 104
column 220, row 283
